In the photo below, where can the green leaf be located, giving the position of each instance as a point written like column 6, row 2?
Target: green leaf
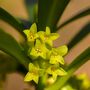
column 75, row 17
column 31, row 7
column 4, row 15
column 49, row 12
column 79, row 36
column 7, row 63
column 9, row 45
column 78, row 62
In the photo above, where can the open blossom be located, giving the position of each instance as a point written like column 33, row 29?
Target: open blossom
column 55, row 71
column 57, row 54
column 31, row 33
column 48, row 37
column 39, row 50
column 33, row 73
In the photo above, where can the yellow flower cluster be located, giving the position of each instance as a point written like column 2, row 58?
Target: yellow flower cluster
column 46, row 59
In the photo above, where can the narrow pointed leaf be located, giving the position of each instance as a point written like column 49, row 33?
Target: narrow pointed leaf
column 79, row 36
column 5, row 16
column 31, row 6
column 49, row 12
column 75, row 17
column 10, row 46
column 77, row 63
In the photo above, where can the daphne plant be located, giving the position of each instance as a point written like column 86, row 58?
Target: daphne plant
column 37, row 56
column 42, row 50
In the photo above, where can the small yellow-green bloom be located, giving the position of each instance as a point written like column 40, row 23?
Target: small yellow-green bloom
column 54, row 71
column 47, row 36
column 39, row 50
column 57, row 54
column 46, row 59
column 33, row 73
column 55, row 58
column 31, row 33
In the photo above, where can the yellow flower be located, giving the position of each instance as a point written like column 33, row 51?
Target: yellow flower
column 33, row 73
column 55, row 71
column 57, row 54
column 39, row 50
column 31, row 33
column 47, row 36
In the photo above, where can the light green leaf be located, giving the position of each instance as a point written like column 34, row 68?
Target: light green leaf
column 9, row 45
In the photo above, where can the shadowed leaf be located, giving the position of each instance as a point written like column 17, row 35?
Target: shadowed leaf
column 49, row 12
column 9, row 45
column 79, row 36
column 4, row 15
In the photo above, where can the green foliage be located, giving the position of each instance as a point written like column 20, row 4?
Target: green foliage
column 49, row 12
column 75, row 17
column 79, row 36
column 9, row 45
column 4, row 15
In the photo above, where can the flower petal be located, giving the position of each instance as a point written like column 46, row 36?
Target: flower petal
column 61, row 72
column 48, row 31
column 36, row 78
column 31, row 67
column 26, row 32
column 33, row 28
column 56, row 59
column 62, row 50
column 54, row 36
column 28, row 77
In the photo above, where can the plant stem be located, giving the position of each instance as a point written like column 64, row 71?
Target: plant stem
column 41, row 84
column 78, row 62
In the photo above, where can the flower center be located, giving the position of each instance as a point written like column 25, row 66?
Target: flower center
column 54, row 54
column 53, row 68
column 31, row 36
column 34, row 72
column 45, row 37
column 38, row 50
